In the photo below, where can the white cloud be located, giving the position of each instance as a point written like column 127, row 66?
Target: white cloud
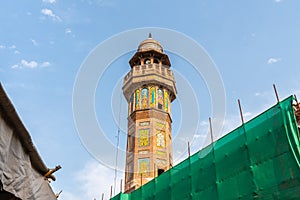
column 257, row 94
column 30, row 64
column 68, row 31
column 12, row 48
column 49, row 13
column 96, row 179
column 49, row 1
column 273, row 60
column 45, row 64
column 15, row 66
column 34, row 42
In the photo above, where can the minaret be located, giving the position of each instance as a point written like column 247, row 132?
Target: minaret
column 149, row 89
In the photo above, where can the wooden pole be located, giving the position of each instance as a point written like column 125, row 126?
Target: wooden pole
column 102, row 196
column 141, row 179
column 121, row 185
column 189, row 150
column 57, row 195
column 241, row 111
column 276, row 93
column 296, row 98
column 111, row 190
column 211, row 131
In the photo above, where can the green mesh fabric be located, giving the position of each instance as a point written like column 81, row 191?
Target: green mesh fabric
column 258, row 160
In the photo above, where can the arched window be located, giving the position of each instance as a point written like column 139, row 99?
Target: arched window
column 152, row 97
column 156, row 61
column 160, row 98
column 147, row 61
column 144, row 98
column 137, row 99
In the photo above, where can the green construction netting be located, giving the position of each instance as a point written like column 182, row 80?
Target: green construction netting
column 258, row 160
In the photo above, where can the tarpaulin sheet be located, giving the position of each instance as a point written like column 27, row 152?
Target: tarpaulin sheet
column 17, row 175
column 258, row 160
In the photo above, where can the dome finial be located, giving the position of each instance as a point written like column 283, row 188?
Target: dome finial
column 150, row 44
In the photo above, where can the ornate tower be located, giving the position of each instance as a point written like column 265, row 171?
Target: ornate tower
column 149, row 89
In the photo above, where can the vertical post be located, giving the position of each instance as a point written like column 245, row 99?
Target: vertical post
column 111, row 191
column 241, row 112
column 189, row 150
column 276, row 93
column 213, row 150
column 211, row 131
column 141, row 179
column 102, row 196
column 154, row 170
column 121, row 185
column 190, row 171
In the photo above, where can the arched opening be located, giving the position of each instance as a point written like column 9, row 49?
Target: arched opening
column 144, row 97
column 160, row 96
column 147, row 61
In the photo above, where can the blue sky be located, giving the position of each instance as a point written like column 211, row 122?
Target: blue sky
column 254, row 43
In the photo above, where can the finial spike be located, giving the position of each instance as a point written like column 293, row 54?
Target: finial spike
column 150, row 35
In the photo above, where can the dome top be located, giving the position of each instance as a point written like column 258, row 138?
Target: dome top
column 150, row 44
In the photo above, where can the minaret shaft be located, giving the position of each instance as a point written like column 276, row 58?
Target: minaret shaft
column 149, row 89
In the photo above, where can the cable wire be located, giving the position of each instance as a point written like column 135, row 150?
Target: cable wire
column 118, row 142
